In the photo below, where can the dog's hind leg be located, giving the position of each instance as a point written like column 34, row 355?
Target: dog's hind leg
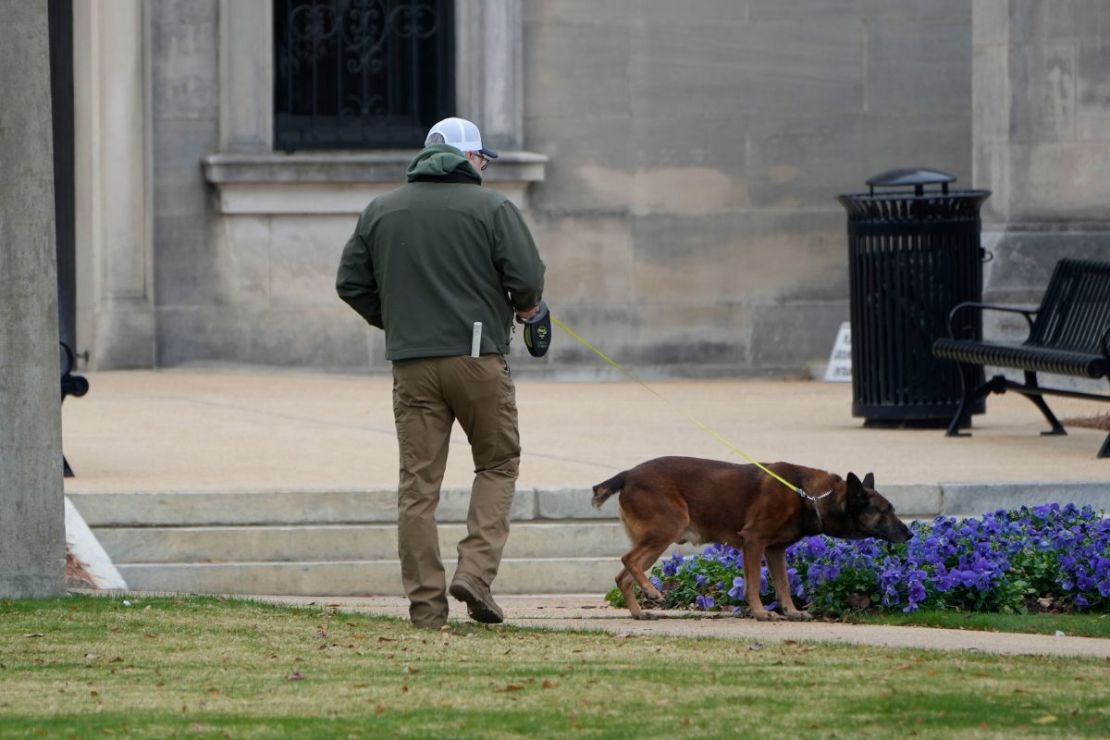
column 776, row 563
column 624, row 583
column 640, row 558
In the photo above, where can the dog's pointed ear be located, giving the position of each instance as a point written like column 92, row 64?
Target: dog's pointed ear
column 869, row 481
column 857, row 494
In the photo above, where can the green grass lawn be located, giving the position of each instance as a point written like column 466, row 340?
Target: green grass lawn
column 1074, row 625
column 85, row 666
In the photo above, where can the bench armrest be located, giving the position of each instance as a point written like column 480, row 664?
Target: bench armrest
column 1105, row 343
column 1026, row 312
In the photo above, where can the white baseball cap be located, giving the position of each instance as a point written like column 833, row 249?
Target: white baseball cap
column 461, row 134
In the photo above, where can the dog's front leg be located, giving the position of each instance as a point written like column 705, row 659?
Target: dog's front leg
column 776, row 563
column 753, row 558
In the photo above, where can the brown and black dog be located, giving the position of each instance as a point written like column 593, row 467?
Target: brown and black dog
column 686, row 499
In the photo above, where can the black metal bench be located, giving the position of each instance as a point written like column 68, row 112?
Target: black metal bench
column 1069, row 334
column 72, row 385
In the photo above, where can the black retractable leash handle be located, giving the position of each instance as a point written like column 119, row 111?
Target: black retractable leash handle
column 537, row 332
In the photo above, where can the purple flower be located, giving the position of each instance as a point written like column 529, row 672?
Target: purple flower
column 737, row 591
column 973, row 564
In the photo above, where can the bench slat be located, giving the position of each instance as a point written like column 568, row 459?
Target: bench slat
column 1024, row 357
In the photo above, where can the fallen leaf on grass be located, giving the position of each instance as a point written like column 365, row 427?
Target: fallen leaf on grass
column 1045, row 720
column 509, row 688
column 33, row 634
column 548, row 684
column 295, row 676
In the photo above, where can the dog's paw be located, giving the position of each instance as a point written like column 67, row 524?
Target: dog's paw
column 646, row 616
column 798, row 616
column 767, row 616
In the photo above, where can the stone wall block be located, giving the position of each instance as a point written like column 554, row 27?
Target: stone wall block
column 990, row 22
column 990, row 84
column 917, row 141
column 184, row 56
column 243, row 260
column 802, row 162
column 734, row 256
column 587, row 259
column 1093, row 92
column 305, row 255
column 1066, row 180
column 782, row 334
column 563, row 62
column 919, row 68
column 186, row 273
column 592, row 162
column 781, row 69
column 1043, row 84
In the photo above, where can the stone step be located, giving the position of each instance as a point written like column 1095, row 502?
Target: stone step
column 380, row 506
column 338, row 542
column 363, row 578
column 313, row 507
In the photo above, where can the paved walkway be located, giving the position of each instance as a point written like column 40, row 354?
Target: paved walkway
column 262, row 431
column 591, row 613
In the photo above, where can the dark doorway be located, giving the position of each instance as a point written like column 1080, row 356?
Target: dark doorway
column 61, row 104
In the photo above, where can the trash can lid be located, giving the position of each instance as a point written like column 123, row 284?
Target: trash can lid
column 917, row 177
column 910, row 176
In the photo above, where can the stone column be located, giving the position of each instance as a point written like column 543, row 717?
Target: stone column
column 489, row 79
column 1041, row 137
column 32, row 520
column 246, row 75
column 112, row 171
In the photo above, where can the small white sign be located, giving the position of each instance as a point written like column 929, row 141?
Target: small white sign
column 840, row 361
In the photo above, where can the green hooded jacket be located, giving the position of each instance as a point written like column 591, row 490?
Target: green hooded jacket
column 429, row 259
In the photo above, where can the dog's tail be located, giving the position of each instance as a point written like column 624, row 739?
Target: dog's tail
column 602, row 491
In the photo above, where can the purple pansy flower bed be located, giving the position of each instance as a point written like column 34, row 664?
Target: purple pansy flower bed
column 1051, row 556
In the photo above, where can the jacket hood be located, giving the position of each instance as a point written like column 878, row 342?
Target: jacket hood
column 441, row 160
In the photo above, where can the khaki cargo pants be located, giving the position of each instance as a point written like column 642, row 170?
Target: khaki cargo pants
column 428, row 396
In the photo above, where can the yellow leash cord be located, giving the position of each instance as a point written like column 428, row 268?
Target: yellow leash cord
column 689, row 417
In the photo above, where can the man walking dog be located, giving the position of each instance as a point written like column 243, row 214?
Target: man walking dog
column 427, row 262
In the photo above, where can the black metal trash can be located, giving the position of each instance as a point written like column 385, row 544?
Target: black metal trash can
column 913, row 254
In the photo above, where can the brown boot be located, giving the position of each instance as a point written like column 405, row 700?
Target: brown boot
column 479, row 602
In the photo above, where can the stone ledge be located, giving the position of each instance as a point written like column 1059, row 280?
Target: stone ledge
column 339, row 182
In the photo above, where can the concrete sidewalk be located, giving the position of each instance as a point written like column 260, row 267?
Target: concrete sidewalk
column 587, row 612
column 237, row 431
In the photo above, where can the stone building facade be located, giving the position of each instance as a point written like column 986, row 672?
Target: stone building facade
column 678, row 163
